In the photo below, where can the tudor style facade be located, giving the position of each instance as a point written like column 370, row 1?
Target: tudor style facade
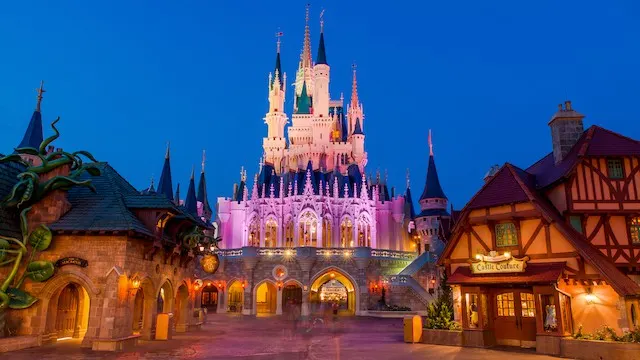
column 538, row 253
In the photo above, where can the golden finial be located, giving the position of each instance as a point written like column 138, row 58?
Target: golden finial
column 203, row 159
column 278, row 36
column 40, row 91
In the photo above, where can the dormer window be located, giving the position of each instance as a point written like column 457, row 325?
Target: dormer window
column 615, row 169
column 634, row 229
column 506, row 235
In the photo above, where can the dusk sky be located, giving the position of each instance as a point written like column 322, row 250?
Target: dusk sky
column 485, row 76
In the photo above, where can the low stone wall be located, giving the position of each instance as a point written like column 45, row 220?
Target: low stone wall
column 596, row 350
column 393, row 314
column 442, row 337
column 19, row 342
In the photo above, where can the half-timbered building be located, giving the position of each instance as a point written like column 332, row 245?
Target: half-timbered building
column 539, row 252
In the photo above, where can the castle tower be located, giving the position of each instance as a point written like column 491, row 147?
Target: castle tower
column 33, row 135
column 191, row 202
column 357, row 143
column 433, row 206
column 165, row 185
column 321, row 75
column 276, row 119
column 305, row 66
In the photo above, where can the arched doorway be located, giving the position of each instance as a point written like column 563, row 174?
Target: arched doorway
column 266, row 298
column 67, row 313
column 164, row 301
column 138, row 312
column 235, row 295
column 334, row 287
column 182, row 308
column 291, row 296
column 209, row 298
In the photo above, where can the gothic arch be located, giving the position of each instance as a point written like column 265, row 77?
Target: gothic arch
column 265, row 297
column 344, row 278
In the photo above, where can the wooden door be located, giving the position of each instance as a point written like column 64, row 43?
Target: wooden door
column 67, row 313
column 291, row 294
column 515, row 318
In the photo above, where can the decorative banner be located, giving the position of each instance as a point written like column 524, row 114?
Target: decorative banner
column 504, row 265
column 72, row 261
column 210, row 263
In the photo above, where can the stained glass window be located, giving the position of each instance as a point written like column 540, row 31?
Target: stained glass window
column 528, row 305
column 614, row 166
column 505, row 304
column 635, row 230
column 472, row 310
column 506, row 235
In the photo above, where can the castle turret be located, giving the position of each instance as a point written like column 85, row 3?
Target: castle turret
column 354, row 109
column 165, row 185
column 33, row 135
column 357, row 143
column 276, row 119
column 305, row 66
column 321, row 77
column 433, row 205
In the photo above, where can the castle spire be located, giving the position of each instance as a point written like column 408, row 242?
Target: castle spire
column 354, row 88
column 202, row 192
column 33, row 135
column 191, row 203
column 165, row 185
column 306, row 50
column 303, row 105
column 430, row 144
column 277, row 72
column 176, row 199
column 432, row 188
column 322, row 55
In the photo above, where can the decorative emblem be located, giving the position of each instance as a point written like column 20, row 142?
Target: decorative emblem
column 72, row 261
column 494, row 263
column 279, row 272
column 198, row 283
column 210, row 263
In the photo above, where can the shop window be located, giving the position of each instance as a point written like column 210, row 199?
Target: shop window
column 506, row 235
column 576, row 222
column 472, row 310
column 614, row 167
column 528, row 305
column 505, row 304
column 549, row 318
column 634, row 316
column 565, row 308
column 634, row 228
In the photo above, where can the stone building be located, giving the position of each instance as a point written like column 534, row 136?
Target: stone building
column 312, row 215
column 119, row 254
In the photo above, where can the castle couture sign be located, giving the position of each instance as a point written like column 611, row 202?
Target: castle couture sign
column 493, row 264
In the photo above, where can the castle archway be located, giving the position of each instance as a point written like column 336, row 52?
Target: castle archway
column 265, row 298
column 235, row 297
column 334, row 287
column 291, row 295
column 182, row 308
column 210, row 298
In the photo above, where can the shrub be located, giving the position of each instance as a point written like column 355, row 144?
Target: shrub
column 607, row 333
column 440, row 313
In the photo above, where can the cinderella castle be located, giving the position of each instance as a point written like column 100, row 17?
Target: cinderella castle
column 312, row 215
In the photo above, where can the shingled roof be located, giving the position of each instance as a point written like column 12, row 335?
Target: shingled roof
column 110, row 207
column 9, row 219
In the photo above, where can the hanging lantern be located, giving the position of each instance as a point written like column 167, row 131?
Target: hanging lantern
column 210, row 263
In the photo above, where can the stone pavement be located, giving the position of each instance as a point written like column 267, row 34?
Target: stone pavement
column 239, row 337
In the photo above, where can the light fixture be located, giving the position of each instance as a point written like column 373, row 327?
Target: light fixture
column 201, row 247
column 507, row 254
column 590, row 297
column 212, row 248
column 332, row 275
column 478, row 256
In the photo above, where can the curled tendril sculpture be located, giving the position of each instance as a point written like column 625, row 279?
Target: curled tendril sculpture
column 28, row 191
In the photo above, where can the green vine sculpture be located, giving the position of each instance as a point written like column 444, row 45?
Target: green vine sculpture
column 29, row 190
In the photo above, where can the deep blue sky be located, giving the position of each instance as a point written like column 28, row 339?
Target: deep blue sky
column 486, row 76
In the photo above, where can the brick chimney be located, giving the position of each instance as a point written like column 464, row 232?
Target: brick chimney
column 566, row 128
column 53, row 206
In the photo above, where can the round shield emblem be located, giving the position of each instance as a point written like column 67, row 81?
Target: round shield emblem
column 210, row 263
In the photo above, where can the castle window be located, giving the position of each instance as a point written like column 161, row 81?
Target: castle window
column 614, row 167
column 634, row 229
column 346, row 233
column 271, row 233
column 288, row 239
column 576, row 222
column 506, row 235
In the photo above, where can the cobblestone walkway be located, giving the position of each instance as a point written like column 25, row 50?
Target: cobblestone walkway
column 238, row 337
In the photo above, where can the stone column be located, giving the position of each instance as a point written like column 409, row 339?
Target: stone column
column 250, row 259
column 279, row 301
column 296, row 233
column 262, row 231
column 318, row 234
column 337, row 229
column 222, row 301
column 279, row 239
column 306, row 258
column 304, row 311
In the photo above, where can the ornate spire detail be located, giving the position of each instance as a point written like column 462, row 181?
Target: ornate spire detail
column 346, row 190
column 204, row 157
column 322, row 54
column 308, row 185
column 254, row 190
column 41, row 91
column 408, row 179
column 354, row 87
column 290, row 188
column 243, row 174
column 306, row 50
column 272, row 191
column 335, row 187
column 364, row 193
column 430, row 144
column 281, row 187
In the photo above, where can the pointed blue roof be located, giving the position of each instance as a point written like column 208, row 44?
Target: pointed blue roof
column 277, row 70
column 176, row 199
column 165, row 186
column 322, row 55
column 432, row 188
column 303, row 101
column 357, row 129
column 409, row 209
column 202, row 194
column 33, row 136
column 191, row 203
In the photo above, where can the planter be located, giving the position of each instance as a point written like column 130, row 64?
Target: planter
column 596, row 350
column 15, row 343
column 442, row 337
column 391, row 314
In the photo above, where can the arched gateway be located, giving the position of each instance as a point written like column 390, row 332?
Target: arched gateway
column 333, row 286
